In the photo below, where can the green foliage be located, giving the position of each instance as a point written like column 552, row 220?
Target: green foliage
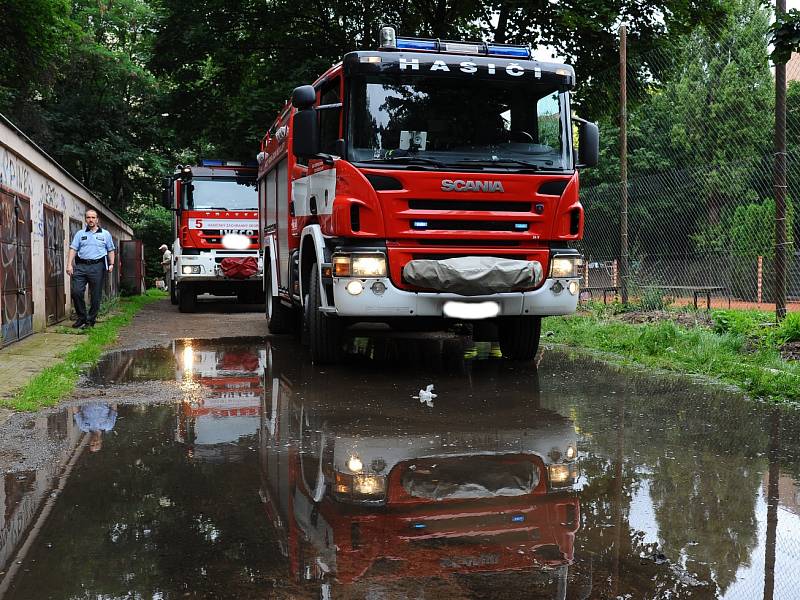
column 715, row 354
column 785, row 36
column 789, row 329
column 650, row 299
column 740, row 322
column 153, row 225
column 752, row 231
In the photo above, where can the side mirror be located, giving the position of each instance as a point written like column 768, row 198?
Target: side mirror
column 588, row 144
column 305, row 133
column 166, row 193
column 303, row 97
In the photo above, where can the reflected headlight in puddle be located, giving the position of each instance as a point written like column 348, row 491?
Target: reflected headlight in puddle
column 562, row 475
column 188, row 359
column 359, row 488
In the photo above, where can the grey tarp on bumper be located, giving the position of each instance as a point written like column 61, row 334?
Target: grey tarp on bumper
column 473, row 275
column 470, row 477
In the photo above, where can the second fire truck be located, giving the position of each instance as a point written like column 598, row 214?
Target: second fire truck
column 215, row 250
column 424, row 184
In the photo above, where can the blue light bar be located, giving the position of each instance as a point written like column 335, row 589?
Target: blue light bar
column 517, row 518
column 212, row 163
column 512, row 51
column 408, row 44
column 418, row 526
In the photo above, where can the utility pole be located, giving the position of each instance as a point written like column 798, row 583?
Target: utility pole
column 623, row 160
column 780, row 180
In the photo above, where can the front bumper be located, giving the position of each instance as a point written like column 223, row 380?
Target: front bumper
column 546, row 300
column 209, row 267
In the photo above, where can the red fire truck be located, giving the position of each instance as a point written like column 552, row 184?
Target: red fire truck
column 216, row 232
column 423, row 184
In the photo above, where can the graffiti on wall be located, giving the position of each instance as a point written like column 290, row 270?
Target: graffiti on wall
column 55, row 301
column 16, row 310
column 15, row 174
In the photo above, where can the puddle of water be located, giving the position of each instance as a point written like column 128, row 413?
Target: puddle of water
column 287, row 480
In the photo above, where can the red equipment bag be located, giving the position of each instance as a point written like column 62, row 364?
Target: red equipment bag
column 239, row 267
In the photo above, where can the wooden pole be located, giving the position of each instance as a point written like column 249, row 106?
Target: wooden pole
column 623, row 159
column 780, row 180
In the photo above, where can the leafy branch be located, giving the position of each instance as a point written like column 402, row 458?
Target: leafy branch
column 785, row 36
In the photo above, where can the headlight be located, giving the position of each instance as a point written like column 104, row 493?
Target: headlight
column 191, row 269
column 562, row 475
column 359, row 265
column 565, row 266
column 359, row 488
column 369, row 266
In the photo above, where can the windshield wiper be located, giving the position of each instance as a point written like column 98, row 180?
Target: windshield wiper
column 405, row 159
column 488, row 162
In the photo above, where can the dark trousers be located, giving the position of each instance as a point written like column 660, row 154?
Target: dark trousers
column 94, row 276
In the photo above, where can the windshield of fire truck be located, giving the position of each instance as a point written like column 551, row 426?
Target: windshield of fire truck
column 234, row 193
column 458, row 122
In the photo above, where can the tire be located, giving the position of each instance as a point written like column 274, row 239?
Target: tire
column 280, row 319
column 324, row 332
column 187, row 299
column 173, row 292
column 519, row 336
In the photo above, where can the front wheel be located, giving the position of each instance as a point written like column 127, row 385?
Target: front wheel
column 280, row 319
column 187, row 299
column 173, row 292
column 519, row 336
column 324, row 332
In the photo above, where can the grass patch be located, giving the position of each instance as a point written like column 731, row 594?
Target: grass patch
column 58, row 381
column 742, row 348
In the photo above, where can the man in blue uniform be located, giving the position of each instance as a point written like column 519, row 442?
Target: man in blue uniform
column 93, row 252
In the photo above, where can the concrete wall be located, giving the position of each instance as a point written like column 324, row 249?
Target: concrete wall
column 25, row 169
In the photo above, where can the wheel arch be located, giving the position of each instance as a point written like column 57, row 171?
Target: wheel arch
column 312, row 251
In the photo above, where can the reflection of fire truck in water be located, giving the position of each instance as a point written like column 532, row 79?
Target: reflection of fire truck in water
column 228, row 399
column 216, row 233
column 382, row 498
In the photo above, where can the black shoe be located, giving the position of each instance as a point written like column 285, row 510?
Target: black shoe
column 78, row 324
column 89, row 325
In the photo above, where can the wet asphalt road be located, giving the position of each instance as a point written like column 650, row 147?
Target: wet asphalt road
column 232, row 468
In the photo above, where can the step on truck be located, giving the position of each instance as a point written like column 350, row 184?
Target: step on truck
column 216, row 249
column 424, row 184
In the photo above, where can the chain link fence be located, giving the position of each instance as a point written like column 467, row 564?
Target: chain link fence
column 701, row 208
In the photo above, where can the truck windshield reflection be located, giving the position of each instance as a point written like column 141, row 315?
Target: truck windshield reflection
column 367, row 487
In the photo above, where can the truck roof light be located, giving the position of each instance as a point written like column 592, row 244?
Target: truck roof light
column 387, row 37
column 209, row 162
column 509, row 50
column 462, row 48
column 455, row 47
column 415, row 44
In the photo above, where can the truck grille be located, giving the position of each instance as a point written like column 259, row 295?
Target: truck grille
column 214, row 236
column 479, row 219
column 470, row 205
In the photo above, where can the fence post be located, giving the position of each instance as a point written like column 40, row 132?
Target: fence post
column 780, row 180
column 623, row 158
column 760, row 277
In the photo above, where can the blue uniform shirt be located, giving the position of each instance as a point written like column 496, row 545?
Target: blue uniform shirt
column 92, row 245
column 97, row 416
